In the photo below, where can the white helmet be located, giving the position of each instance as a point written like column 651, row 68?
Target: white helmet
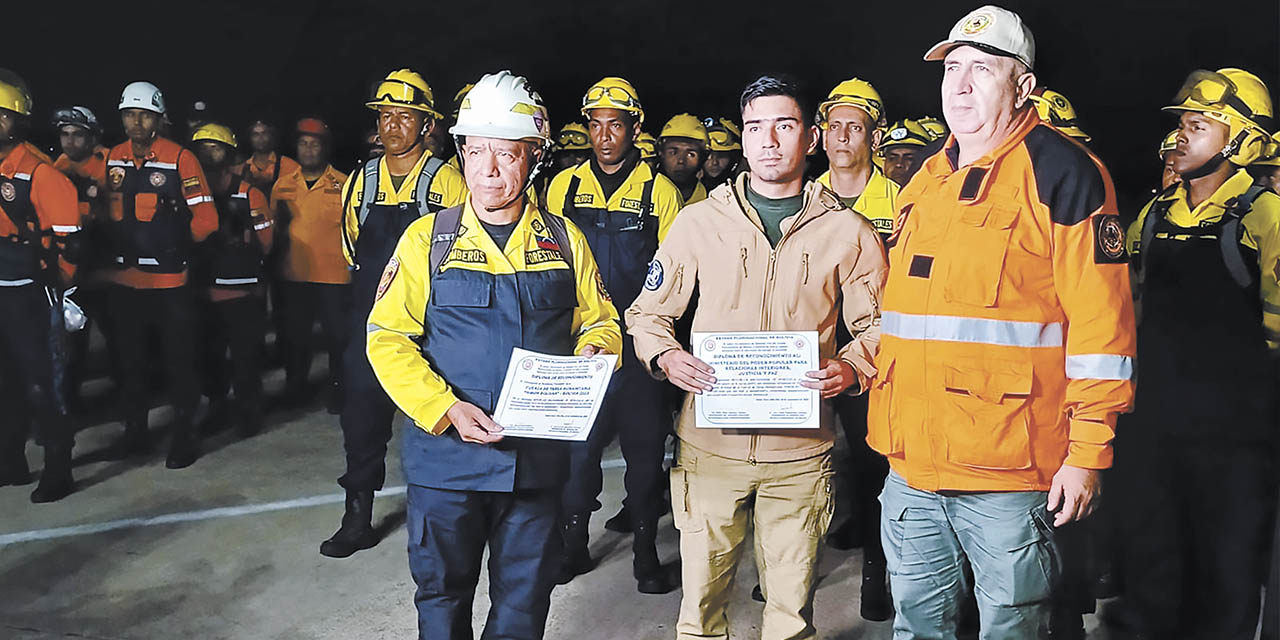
column 501, row 105
column 142, row 95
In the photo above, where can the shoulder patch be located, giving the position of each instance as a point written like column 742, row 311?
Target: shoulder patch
column 388, row 276
column 604, row 293
column 1067, row 180
column 654, row 279
column 1108, row 240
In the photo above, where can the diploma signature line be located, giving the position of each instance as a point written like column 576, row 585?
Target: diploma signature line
column 201, row 515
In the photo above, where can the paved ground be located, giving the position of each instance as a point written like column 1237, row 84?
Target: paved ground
column 228, row 549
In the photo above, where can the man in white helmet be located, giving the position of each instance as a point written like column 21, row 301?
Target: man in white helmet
column 464, row 287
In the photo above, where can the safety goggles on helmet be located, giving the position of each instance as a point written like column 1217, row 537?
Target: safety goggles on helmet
column 615, row 95
column 872, row 106
column 401, row 92
column 75, row 118
column 573, row 139
column 1212, row 89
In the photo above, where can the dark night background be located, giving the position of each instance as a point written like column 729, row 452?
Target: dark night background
column 1118, row 61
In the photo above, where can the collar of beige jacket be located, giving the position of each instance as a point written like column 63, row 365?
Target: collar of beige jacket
column 818, row 200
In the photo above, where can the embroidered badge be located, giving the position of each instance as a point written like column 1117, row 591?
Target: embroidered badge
column 388, row 275
column 157, row 179
column 1108, row 240
column 654, row 279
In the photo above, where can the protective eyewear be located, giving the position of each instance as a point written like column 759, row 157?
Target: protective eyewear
column 573, row 138
column 65, row 117
column 615, row 95
column 1212, row 89
column 859, row 101
column 401, row 92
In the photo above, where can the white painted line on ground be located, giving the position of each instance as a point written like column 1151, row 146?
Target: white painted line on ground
column 207, row 514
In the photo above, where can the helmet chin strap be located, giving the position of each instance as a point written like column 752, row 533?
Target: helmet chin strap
column 1207, row 168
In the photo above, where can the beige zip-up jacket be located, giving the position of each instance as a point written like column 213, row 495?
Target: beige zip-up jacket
column 829, row 264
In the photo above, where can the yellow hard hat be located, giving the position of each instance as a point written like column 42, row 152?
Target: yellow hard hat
column 13, row 93
column 573, row 137
column 613, row 93
column 723, row 134
column 1235, row 98
column 934, row 126
column 404, row 88
column 1056, row 109
column 905, row 132
column 457, row 98
column 1271, row 157
column 1169, row 143
column 647, row 145
column 215, row 133
column 857, row 93
column 685, row 125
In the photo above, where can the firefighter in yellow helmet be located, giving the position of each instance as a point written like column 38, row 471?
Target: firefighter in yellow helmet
column 572, row 148
column 1168, row 177
column 624, row 208
column 1195, row 467
column 848, row 120
column 380, row 201
column 725, row 157
column 1055, row 109
column 1266, row 170
column 648, row 146
column 683, row 149
column 937, row 129
column 903, row 149
column 440, row 144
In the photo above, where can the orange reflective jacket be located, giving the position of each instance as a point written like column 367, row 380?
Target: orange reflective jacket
column 1007, row 332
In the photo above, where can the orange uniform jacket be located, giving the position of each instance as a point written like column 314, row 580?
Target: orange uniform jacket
column 263, row 227
column 52, row 196
column 90, row 178
column 312, row 218
column 265, row 176
column 1007, row 332
column 167, row 155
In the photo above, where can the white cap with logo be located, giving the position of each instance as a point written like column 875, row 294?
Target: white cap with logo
column 993, row 29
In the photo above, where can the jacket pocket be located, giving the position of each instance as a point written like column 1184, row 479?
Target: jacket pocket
column 800, row 289
column 144, row 206
column 984, row 407
column 882, row 434
column 683, row 507
column 554, row 294
column 981, row 238
column 461, row 293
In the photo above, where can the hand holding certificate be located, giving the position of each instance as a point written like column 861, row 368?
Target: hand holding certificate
column 552, row 397
column 758, row 379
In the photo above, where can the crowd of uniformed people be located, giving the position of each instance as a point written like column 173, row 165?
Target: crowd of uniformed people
column 983, row 309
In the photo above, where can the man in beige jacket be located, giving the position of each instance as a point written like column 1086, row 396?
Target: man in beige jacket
column 765, row 252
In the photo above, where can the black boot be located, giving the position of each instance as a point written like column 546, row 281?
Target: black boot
column 876, row 604
column 647, row 568
column 576, row 560
column 13, row 468
column 333, row 403
column 184, row 446
column 620, row 522
column 55, row 480
column 135, row 442
column 356, row 532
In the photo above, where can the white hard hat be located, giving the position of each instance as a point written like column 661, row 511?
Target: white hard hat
column 992, row 29
column 501, row 105
column 142, row 95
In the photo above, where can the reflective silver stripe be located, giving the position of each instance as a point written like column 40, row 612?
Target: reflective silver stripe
column 119, row 259
column 242, row 196
column 22, row 176
column 119, row 163
column 195, row 200
column 16, row 283
column 235, row 281
column 1099, row 366
column 148, row 261
column 1008, row 333
column 261, row 226
column 160, row 165
column 371, row 327
column 65, row 228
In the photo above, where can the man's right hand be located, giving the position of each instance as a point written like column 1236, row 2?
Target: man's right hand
column 686, row 371
column 472, row 423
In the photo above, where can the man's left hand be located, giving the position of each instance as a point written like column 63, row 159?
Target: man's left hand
column 834, row 377
column 1074, row 494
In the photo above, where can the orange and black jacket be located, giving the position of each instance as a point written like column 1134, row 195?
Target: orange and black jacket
column 90, row 178
column 231, row 260
column 265, row 177
column 158, row 206
column 1007, row 330
column 40, row 220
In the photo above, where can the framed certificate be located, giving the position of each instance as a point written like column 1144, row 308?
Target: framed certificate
column 758, row 376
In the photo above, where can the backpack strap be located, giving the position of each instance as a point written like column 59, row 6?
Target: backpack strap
column 1233, row 231
column 646, row 196
column 560, row 233
column 572, row 192
column 370, row 190
column 444, row 233
column 423, row 189
column 1154, row 215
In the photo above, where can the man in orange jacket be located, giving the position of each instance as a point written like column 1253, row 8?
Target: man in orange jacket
column 39, row 222
column 1007, row 346
column 313, row 273
column 159, row 205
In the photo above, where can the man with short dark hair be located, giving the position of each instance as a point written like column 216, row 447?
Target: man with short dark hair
column 828, row 264
column 683, row 149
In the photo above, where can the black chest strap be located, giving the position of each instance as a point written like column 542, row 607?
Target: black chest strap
column 447, row 223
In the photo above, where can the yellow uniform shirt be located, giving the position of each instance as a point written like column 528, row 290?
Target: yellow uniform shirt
column 666, row 197
column 447, row 189
column 699, row 194
column 877, row 202
column 398, row 314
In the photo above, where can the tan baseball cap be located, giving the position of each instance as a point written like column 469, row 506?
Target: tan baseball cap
column 991, row 29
